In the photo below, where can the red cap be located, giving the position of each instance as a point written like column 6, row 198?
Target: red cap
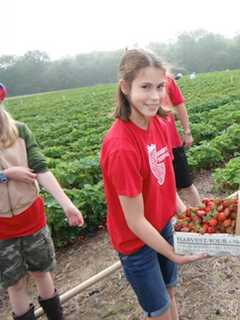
column 3, row 92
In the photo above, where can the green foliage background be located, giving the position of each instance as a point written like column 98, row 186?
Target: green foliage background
column 69, row 126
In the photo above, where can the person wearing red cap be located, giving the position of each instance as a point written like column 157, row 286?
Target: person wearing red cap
column 25, row 241
column 3, row 92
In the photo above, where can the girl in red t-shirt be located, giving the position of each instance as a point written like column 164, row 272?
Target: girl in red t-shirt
column 174, row 102
column 136, row 162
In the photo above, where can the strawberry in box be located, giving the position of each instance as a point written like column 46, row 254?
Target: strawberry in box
column 217, row 216
column 213, row 228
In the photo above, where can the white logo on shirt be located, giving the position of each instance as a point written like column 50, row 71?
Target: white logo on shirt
column 156, row 161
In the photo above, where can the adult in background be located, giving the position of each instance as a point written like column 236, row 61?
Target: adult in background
column 25, row 242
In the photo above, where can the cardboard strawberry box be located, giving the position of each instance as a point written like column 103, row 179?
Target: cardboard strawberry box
column 216, row 232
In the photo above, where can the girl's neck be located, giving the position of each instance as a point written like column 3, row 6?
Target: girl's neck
column 139, row 119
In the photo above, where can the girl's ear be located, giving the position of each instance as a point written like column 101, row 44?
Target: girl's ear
column 124, row 86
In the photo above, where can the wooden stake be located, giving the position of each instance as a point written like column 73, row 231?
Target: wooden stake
column 82, row 286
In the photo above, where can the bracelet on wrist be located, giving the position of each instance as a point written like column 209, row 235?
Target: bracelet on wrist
column 3, row 177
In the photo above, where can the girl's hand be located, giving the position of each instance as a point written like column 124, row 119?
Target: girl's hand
column 190, row 258
column 187, row 140
column 74, row 216
column 22, row 174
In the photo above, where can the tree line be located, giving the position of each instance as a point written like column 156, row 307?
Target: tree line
column 196, row 51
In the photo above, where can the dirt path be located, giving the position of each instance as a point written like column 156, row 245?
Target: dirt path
column 207, row 290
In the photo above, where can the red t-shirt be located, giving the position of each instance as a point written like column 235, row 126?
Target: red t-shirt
column 25, row 224
column 173, row 98
column 134, row 161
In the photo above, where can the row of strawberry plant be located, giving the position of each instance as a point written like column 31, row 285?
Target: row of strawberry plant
column 218, row 150
column 69, row 126
column 228, row 177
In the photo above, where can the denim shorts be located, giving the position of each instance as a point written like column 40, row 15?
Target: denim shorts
column 18, row 256
column 150, row 274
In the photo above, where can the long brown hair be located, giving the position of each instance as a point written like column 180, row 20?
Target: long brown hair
column 132, row 62
column 8, row 129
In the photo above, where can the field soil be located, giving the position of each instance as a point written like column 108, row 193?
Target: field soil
column 207, row 290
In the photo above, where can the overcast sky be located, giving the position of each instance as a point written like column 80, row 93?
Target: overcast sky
column 69, row 27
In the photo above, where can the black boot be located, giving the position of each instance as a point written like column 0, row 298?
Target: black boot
column 29, row 315
column 52, row 307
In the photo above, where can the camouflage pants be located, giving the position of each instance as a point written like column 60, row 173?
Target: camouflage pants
column 20, row 255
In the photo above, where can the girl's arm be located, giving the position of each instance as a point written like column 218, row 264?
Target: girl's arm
column 180, row 205
column 184, row 120
column 22, row 174
column 50, row 183
column 133, row 209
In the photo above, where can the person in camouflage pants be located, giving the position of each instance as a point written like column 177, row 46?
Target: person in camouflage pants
column 25, row 242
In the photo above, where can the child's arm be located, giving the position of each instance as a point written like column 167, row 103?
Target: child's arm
column 182, row 115
column 22, row 174
column 133, row 209
column 180, row 204
column 50, row 183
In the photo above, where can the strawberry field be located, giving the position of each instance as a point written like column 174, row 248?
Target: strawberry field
column 69, row 126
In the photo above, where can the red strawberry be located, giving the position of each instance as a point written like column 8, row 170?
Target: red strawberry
column 213, row 222
column 221, row 216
